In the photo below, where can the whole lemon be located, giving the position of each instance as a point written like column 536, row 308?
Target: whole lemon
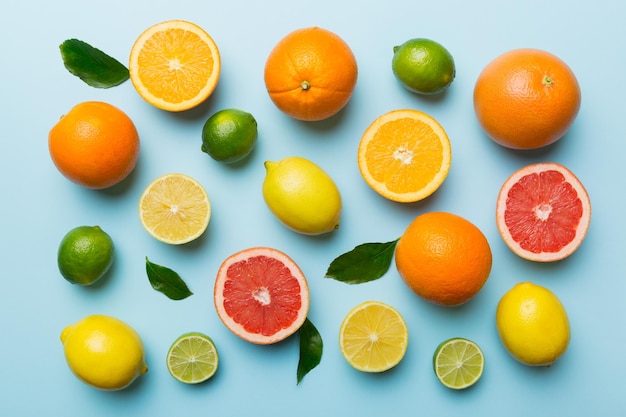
column 532, row 324
column 104, row 352
column 302, row 195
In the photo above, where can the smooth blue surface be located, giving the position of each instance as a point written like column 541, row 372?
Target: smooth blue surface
column 39, row 206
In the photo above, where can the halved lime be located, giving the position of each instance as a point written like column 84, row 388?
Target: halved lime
column 192, row 358
column 458, row 363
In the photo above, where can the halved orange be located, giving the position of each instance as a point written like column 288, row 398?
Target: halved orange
column 175, row 209
column 174, row 65
column 404, row 155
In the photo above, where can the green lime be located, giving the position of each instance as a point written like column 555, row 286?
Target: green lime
column 85, row 254
column 458, row 363
column 423, row 66
column 229, row 135
column 192, row 358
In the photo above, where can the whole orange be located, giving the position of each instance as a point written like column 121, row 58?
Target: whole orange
column 95, row 145
column 310, row 74
column 526, row 98
column 443, row 258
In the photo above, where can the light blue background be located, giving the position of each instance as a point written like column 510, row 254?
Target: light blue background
column 39, row 206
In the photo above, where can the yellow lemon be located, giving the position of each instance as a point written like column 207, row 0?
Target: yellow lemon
column 104, row 352
column 532, row 324
column 302, row 195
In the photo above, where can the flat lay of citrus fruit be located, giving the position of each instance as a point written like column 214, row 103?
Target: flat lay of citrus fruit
column 443, row 258
column 526, row 98
column 104, row 352
column 175, row 209
column 404, row 155
column 543, row 212
column 302, row 195
column 95, row 145
column 373, row 337
column 261, row 295
column 423, row 66
column 532, row 324
column 174, row 65
column 192, row 358
column 229, row 135
column 310, row 74
column 85, row 255
column 458, row 363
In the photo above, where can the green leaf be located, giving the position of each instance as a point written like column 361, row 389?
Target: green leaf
column 91, row 65
column 167, row 281
column 311, row 347
column 366, row 262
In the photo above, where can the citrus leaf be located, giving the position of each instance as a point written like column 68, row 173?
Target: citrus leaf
column 167, row 281
column 366, row 262
column 91, row 65
column 311, row 347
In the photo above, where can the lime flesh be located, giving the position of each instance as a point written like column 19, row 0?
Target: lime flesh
column 458, row 363
column 192, row 358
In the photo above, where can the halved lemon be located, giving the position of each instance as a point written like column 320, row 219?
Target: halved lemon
column 175, row 209
column 373, row 337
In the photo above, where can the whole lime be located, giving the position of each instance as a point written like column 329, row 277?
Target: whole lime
column 85, row 255
column 229, row 135
column 423, row 66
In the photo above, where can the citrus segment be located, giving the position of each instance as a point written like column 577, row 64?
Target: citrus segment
column 175, row 209
column 404, row 155
column 310, row 74
column 192, row 358
column 174, row 65
column 458, row 363
column 543, row 212
column 261, row 295
column 373, row 337
column 526, row 98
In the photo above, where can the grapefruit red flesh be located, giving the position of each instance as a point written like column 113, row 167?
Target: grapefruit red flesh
column 261, row 295
column 543, row 212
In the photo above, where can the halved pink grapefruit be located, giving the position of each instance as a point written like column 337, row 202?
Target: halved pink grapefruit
column 261, row 295
column 543, row 212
